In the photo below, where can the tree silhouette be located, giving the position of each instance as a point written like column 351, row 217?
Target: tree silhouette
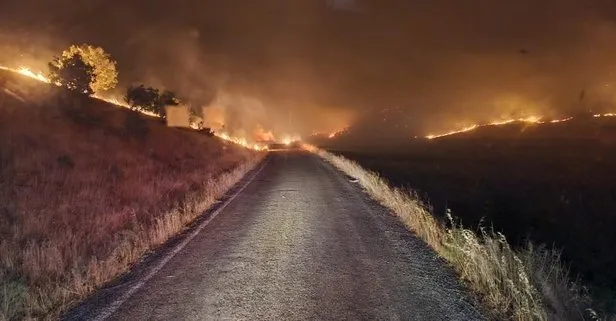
column 72, row 73
column 150, row 99
column 168, row 98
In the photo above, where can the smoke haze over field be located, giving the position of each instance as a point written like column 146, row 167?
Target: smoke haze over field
column 316, row 65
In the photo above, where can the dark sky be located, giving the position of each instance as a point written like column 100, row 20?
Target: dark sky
column 316, row 64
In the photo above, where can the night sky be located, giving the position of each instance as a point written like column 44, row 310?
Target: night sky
column 304, row 65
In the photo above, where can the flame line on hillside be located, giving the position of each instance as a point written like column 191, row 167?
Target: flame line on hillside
column 528, row 120
column 25, row 71
column 604, row 115
column 338, row 132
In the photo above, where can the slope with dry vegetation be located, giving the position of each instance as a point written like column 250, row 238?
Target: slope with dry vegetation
column 525, row 284
column 86, row 188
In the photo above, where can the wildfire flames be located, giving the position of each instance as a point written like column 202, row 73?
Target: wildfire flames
column 529, row 120
column 28, row 73
column 604, row 115
column 263, row 135
column 241, row 141
column 338, row 132
column 115, row 101
column 532, row 119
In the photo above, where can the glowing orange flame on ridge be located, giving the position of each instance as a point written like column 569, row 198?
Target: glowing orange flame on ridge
column 338, row 132
column 530, row 120
column 25, row 71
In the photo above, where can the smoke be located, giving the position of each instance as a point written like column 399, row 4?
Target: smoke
column 236, row 114
column 310, row 65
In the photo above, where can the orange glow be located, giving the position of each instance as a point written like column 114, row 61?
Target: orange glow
column 215, row 117
column 605, row 115
column 529, row 120
column 241, row 141
column 453, row 132
column 561, row 120
column 338, row 132
column 25, row 71
column 29, row 73
column 261, row 135
column 287, row 140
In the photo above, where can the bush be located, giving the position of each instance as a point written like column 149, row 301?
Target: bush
column 150, row 99
column 72, row 73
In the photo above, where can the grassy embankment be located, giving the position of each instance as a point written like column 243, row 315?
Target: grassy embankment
column 87, row 188
column 557, row 191
column 526, row 284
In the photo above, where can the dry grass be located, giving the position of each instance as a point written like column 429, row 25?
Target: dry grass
column 527, row 284
column 86, row 189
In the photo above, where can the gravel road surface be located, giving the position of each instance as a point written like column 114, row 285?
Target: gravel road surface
column 300, row 242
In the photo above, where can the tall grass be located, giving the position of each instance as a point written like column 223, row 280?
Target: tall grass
column 512, row 284
column 84, row 194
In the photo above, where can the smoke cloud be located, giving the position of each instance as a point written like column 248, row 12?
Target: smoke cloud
column 309, row 65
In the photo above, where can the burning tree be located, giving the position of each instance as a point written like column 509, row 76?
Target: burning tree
column 150, row 99
column 105, row 75
column 72, row 73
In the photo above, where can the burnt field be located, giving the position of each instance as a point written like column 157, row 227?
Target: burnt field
column 555, row 191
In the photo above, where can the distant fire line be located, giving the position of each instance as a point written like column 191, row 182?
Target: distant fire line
column 530, row 120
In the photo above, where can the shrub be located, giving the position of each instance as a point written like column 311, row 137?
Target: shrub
column 150, row 99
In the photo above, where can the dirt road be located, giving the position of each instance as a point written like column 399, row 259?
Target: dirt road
column 301, row 241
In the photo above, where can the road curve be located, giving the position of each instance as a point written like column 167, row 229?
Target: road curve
column 300, row 242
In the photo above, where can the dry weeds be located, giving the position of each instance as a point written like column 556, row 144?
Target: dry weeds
column 526, row 284
column 86, row 189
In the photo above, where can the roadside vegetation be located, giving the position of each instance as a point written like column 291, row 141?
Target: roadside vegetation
column 88, row 188
column 525, row 284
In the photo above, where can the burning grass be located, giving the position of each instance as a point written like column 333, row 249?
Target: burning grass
column 526, row 284
column 87, row 189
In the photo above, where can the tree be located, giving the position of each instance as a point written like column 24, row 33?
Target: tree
column 150, row 99
column 168, row 98
column 72, row 73
column 105, row 73
column 142, row 98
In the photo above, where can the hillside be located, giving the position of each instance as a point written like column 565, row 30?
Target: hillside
column 579, row 128
column 582, row 129
column 87, row 188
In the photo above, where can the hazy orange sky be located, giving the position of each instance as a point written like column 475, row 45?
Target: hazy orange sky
column 307, row 65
